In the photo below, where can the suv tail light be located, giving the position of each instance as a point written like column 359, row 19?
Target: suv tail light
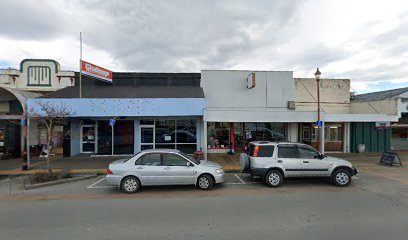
column 109, row 172
column 256, row 151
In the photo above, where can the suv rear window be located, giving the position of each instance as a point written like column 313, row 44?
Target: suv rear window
column 263, row 150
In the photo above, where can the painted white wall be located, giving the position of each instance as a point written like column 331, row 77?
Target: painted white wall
column 228, row 89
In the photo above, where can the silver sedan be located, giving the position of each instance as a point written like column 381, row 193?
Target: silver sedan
column 163, row 167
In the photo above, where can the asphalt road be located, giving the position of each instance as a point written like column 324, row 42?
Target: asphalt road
column 373, row 207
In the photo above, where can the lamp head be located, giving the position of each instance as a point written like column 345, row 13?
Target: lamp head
column 317, row 74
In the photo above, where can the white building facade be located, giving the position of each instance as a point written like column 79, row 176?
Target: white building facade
column 243, row 106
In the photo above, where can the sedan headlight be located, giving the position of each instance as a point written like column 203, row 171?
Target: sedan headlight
column 219, row 170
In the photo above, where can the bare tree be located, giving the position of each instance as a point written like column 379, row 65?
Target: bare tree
column 50, row 115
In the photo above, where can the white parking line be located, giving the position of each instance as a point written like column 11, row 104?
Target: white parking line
column 240, row 179
column 238, row 183
column 93, row 184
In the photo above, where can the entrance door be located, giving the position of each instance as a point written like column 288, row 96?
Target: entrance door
column 87, row 139
column 146, row 137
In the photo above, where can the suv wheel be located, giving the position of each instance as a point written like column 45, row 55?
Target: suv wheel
column 274, row 178
column 205, row 182
column 341, row 178
column 130, row 185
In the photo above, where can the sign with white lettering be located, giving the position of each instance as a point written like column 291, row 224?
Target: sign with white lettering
column 390, row 158
column 95, row 71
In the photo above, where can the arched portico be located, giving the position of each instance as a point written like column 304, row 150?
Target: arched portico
column 13, row 109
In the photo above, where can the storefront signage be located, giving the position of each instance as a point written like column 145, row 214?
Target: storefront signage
column 95, row 71
column 251, row 81
column 382, row 125
column 390, row 158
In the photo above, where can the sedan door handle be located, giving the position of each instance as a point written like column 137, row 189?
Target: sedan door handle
column 305, row 161
column 139, row 168
column 280, row 161
column 167, row 168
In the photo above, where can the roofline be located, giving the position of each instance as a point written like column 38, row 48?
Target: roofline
column 389, row 90
column 57, row 65
column 245, row 70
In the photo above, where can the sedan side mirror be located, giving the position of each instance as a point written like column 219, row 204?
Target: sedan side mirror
column 189, row 164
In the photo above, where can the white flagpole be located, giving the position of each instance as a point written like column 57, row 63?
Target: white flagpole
column 80, row 64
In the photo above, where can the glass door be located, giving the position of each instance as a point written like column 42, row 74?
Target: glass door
column 123, row 137
column 87, row 139
column 147, row 137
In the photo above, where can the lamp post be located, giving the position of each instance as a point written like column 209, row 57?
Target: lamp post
column 317, row 76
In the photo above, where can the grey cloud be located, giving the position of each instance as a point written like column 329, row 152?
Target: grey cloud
column 377, row 73
column 156, row 35
column 29, row 20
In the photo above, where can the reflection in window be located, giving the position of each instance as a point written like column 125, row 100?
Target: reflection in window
column 308, row 153
column 151, row 159
column 218, row 135
column 174, row 160
column 165, row 131
column 186, row 131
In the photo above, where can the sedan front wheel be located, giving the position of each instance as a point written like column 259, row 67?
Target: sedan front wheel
column 205, row 182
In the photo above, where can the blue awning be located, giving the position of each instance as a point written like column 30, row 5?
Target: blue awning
column 138, row 107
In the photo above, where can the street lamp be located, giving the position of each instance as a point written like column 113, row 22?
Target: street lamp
column 317, row 76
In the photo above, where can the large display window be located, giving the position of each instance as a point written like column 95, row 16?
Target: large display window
column 223, row 135
column 333, row 135
column 169, row 134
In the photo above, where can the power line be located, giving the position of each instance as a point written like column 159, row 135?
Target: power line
column 364, row 100
column 311, row 94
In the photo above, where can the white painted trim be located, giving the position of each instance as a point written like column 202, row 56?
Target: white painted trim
column 257, row 115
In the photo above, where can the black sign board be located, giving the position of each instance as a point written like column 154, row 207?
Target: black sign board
column 390, row 158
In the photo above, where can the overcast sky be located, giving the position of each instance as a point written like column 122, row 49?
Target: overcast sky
column 365, row 41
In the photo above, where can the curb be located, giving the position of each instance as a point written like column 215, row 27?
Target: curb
column 29, row 186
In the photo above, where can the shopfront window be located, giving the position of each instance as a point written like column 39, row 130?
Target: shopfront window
column 218, row 135
column 186, row 134
column 333, row 132
column 169, row 134
column 265, row 131
column 333, row 135
column 104, row 138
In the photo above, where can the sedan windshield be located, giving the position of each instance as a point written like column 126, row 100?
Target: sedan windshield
column 190, row 158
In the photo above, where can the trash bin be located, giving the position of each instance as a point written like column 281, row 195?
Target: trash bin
column 360, row 148
column 198, row 155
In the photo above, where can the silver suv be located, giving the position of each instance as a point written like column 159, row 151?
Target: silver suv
column 274, row 161
column 163, row 167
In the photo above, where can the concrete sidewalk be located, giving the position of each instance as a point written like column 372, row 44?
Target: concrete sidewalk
column 87, row 164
